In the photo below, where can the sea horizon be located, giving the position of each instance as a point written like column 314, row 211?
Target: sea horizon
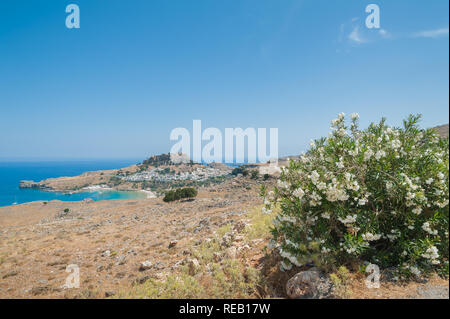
column 12, row 172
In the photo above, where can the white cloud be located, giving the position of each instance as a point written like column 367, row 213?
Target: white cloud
column 355, row 36
column 432, row 33
column 384, row 33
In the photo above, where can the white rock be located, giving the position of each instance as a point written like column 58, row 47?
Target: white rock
column 145, row 265
column 308, row 284
column 194, row 265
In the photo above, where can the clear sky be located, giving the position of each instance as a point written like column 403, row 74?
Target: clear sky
column 135, row 70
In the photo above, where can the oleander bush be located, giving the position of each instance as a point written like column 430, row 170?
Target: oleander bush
column 378, row 195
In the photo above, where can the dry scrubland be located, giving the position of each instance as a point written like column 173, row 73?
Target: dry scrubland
column 211, row 247
column 109, row 240
column 217, row 250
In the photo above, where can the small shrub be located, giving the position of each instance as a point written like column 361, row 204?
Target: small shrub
column 180, row 193
column 341, row 281
column 169, row 196
column 240, row 170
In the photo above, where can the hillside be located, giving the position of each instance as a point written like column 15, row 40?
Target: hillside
column 442, row 130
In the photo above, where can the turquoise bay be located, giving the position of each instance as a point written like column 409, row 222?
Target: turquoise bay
column 12, row 172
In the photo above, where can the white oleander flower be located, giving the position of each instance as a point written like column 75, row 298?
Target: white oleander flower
column 426, row 227
column 283, row 185
column 284, row 266
column 396, row 144
column 325, row 215
column 335, row 194
column 380, row 154
column 368, row 154
column 341, row 132
column 348, row 219
column 314, row 177
column 415, row 271
column 443, row 204
column 362, row 202
column 371, row 237
column 389, row 185
column 321, row 186
column 432, row 254
column 299, row 193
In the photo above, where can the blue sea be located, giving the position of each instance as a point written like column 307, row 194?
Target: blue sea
column 11, row 173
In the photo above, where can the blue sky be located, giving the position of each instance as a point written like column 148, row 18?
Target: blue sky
column 135, row 70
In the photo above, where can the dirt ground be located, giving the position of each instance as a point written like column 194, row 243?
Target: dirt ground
column 108, row 240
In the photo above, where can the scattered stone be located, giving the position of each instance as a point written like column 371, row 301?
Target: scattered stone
column 106, row 253
column 309, row 284
column 227, row 240
column 132, row 252
column 177, row 264
column 160, row 276
column 194, row 265
column 231, row 252
column 140, row 280
column 203, row 224
column 257, row 241
column 109, row 293
column 173, row 243
column 145, row 265
column 120, row 275
column 43, row 290
column 185, row 252
column 239, row 226
column 121, row 260
column 433, row 292
column 10, row 274
column 244, row 247
column 160, row 265
column 217, row 257
column 62, row 214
